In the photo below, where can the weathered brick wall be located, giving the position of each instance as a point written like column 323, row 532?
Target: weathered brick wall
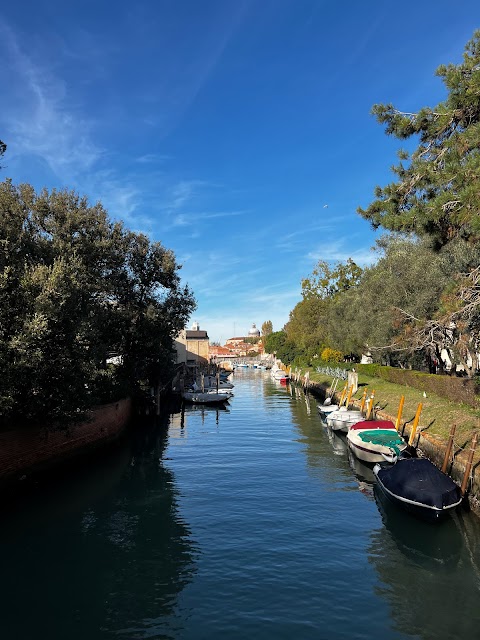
column 23, row 451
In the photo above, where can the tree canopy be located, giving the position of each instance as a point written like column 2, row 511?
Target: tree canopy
column 421, row 299
column 75, row 289
column 267, row 328
column 437, row 188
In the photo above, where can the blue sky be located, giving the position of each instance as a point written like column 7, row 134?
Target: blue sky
column 236, row 132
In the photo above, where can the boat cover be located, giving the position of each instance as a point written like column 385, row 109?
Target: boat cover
column 374, row 424
column 382, row 437
column 419, row 480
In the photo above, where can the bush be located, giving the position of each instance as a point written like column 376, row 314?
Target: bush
column 450, row 387
column 331, row 355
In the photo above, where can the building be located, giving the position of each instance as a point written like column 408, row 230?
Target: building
column 244, row 345
column 254, row 332
column 220, row 353
column 192, row 347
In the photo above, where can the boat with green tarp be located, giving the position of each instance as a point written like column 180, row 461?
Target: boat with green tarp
column 375, row 441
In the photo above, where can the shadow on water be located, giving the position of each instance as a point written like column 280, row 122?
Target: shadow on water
column 100, row 551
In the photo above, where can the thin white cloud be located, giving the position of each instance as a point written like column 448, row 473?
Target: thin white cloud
column 340, row 251
column 34, row 115
column 188, row 219
column 152, row 158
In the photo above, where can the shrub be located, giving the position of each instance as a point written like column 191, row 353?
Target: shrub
column 331, row 355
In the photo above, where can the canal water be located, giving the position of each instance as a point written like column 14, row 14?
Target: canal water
column 246, row 522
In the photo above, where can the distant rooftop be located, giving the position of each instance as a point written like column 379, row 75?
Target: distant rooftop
column 195, row 334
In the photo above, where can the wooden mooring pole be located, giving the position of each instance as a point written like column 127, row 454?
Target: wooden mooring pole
column 364, row 399
column 342, row 397
column 370, row 406
column 448, row 450
column 349, row 397
column 468, row 468
column 399, row 414
column 416, row 420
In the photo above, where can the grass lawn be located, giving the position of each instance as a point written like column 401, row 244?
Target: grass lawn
column 437, row 415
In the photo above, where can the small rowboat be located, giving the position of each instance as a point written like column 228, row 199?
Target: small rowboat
column 418, row 486
column 375, row 441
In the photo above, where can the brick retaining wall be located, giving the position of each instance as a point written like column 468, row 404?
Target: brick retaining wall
column 23, row 451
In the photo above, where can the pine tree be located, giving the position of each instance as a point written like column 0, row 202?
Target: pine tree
column 437, row 192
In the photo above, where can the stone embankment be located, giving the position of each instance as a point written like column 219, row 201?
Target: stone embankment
column 26, row 451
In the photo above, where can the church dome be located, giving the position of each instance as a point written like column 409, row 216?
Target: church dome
column 254, row 331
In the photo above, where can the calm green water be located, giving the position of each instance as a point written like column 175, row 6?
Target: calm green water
column 249, row 522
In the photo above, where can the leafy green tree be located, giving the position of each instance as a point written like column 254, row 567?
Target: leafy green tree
column 406, row 279
column 326, row 281
column 436, row 196
column 74, row 288
column 267, row 328
column 436, row 192
column 275, row 341
column 307, row 324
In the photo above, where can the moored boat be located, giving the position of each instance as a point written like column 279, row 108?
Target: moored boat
column 418, row 486
column 375, row 441
column 211, row 382
column 205, row 397
column 343, row 419
column 279, row 374
column 326, row 409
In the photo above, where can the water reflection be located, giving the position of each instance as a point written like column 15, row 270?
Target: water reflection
column 363, row 471
column 338, row 443
column 203, row 410
column 429, row 572
column 108, row 554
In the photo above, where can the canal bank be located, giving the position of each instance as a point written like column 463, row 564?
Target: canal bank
column 431, row 444
column 28, row 451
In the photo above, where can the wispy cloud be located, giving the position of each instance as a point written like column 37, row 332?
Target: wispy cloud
column 188, row 219
column 36, row 118
column 152, row 158
column 340, row 250
column 183, row 192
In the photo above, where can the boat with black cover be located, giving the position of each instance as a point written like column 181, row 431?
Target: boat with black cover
column 418, row 486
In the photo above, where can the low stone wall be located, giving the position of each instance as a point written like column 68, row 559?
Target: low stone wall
column 24, row 451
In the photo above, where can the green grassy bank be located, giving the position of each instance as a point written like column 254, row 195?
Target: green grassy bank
column 438, row 413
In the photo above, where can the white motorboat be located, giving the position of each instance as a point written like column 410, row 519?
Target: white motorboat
column 343, row 419
column 211, row 382
column 278, row 374
column 375, row 441
column 326, row 409
column 204, row 397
